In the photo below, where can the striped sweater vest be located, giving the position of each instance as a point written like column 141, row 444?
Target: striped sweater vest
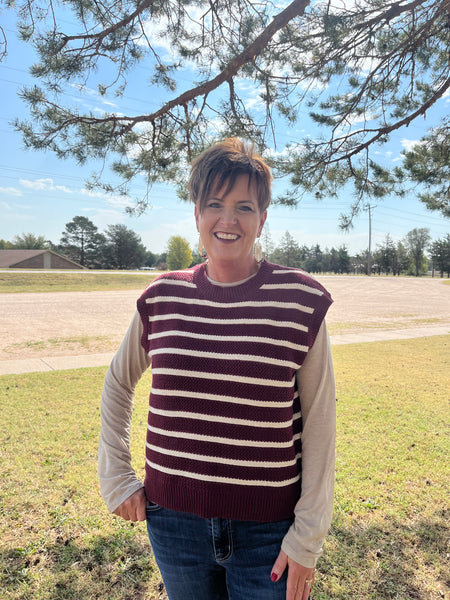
column 224, row 425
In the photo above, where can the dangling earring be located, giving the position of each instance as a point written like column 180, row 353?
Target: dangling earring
column 201, row 249
column 257, row 251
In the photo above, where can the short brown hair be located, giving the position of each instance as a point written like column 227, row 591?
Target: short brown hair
column 221, row 164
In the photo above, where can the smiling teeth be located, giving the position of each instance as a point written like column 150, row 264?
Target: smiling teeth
column 227, row 236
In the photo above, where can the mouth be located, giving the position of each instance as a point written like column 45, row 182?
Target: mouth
column 228, row 237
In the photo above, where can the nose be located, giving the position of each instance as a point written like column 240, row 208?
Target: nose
column 228, row 215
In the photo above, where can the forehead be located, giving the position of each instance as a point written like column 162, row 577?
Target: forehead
column 241, row 187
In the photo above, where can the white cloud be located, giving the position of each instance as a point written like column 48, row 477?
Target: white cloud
column 286, row 151
column 44, row 184
column 92, row 194
column 82, row 88
column 408, row 145
column 251, row 94
column 63, row 188
column 10, row 191
column 37, row 184
column 103, row 111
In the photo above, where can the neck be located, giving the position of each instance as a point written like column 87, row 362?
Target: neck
column 231, row 272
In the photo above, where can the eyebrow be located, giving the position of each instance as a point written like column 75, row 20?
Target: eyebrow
column 243, row 201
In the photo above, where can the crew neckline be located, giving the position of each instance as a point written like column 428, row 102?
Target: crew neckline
column 224, row 284
column 210, row 287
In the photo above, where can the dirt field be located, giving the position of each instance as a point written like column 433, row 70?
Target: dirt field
column 72, row 323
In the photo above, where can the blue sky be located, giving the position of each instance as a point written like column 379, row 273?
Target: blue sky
column 40, row 194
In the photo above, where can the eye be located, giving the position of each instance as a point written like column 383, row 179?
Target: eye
column 213, row 204
column 246, row 208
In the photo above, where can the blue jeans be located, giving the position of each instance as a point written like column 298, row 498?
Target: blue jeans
column 216, row 559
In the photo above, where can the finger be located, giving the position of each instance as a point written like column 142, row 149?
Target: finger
column 294, row 586
column 133, row 508
column 307, row 588
column 141, row 512
column 123, row 511
column 279, row 566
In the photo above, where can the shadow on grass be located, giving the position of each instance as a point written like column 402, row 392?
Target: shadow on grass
column 369, row 558
column 386, row 559
column 112, row 568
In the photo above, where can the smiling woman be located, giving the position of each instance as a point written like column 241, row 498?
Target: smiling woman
column 230, row 187
column 241, row 423
column 228, row 226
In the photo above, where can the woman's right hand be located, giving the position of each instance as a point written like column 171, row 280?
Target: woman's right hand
column 133, row 508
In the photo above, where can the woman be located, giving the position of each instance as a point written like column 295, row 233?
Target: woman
column 240, row 441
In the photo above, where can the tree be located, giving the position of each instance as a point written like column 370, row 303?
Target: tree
column 162, row 261
column 151, row 259
column 179, row 254
column 343, row 260
column 362, row 70
column 267, row 242
column 416, row 242
column 440, row 255
column 339, row 260
column 80, row 241
column 385, row 255
column 401, row 260
column 428, row 163
column 123, row 248
column 29, row 241
column 288, row 253
column 197, row 259
column 314, row 261
column 360, row 262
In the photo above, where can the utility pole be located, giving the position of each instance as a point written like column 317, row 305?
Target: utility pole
column 369, row 257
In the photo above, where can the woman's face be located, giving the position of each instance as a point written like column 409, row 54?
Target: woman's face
column 229, row 224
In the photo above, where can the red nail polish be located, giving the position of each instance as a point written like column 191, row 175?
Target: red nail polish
column 274, row 577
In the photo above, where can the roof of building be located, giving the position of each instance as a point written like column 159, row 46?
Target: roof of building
column 9, row 258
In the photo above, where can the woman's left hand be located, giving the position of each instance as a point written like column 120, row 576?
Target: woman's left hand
column 300, row 579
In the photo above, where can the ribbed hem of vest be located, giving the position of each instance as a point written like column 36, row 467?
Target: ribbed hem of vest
column 209, row 500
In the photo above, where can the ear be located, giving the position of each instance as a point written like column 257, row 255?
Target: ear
column 261, row 223
column 196, row 213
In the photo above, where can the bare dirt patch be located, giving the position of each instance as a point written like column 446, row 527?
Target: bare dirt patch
column 72, row 323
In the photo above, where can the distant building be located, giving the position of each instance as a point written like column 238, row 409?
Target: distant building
column 35, row 259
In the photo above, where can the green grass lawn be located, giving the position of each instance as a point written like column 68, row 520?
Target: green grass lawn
column 390, row 527
column 17, row 281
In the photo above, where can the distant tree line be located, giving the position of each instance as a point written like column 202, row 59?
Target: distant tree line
column 121, row 248
column 389, row 258
column 408, row 256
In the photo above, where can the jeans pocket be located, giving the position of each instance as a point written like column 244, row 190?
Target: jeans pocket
column 151, row 508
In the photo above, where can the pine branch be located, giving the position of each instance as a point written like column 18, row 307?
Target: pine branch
column 101, row 35
column 385, row 131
